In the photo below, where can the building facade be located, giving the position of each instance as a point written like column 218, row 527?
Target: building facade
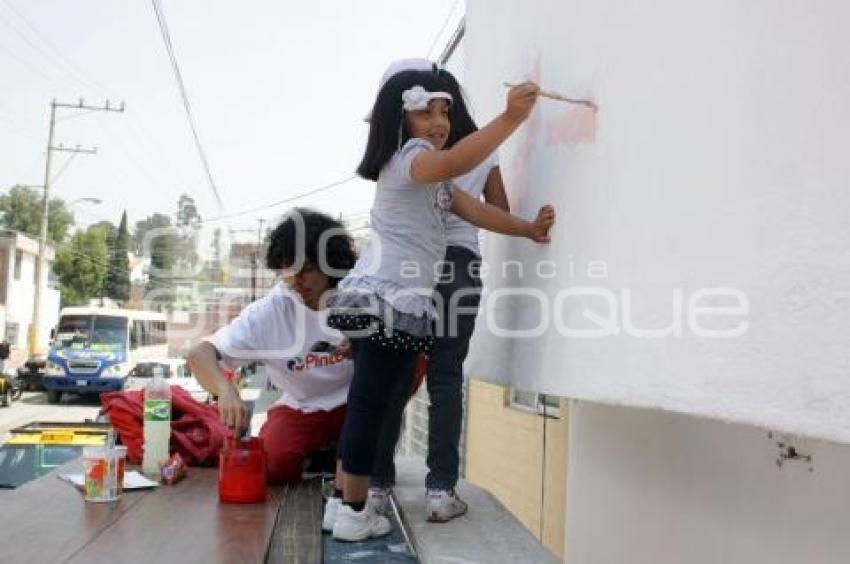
column 18, row 257
column 676, row 432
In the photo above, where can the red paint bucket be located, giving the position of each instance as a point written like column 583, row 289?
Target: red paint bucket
column 242, row 471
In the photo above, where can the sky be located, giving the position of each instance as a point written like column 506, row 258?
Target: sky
column 278, row 91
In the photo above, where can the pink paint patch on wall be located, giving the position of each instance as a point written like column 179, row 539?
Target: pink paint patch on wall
column 573, row 126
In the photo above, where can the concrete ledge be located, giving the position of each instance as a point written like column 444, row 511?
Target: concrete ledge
column 487, row 533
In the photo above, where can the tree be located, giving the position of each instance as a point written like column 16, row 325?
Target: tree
column 187, row 212
column 162, row 248
column 188, row 222
column 81, row 266
column 20, row 209
column 118, row 276
column 171, row 249
column 213, row 270
column 143, row 227
column 110, row 230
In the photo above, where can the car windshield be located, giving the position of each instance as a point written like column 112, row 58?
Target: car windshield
column 92, row 332
column 146, row 369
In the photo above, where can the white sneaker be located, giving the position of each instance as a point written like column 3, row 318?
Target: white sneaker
column 379, row 498
column 353, row 526
column 444, row 505
column 332, row 506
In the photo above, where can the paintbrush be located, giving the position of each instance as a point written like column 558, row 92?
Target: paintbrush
column 561, row 97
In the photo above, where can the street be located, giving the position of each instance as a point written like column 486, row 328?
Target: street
column 33, row 406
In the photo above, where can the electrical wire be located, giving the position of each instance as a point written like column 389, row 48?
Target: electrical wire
column 281, row 202
column 64, row 167
column 442, row 29
column 81, row 77
column 77, row 73
column 169, row 47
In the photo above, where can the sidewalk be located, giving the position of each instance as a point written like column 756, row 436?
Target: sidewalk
column 488, row 533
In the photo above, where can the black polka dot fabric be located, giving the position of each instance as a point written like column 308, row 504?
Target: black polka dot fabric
column 376, row 331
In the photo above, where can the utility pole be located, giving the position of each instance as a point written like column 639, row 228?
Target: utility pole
column 261, row 221
column 255, row 260
column 253, row 276
column 41, row 263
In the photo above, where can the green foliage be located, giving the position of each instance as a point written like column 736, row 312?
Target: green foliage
column 187, row 212
column 188, row 222
column 20, row 209
column 109, row 228
column 162, row 248
column 171, row 247
column 118, row 276
column 81, row 266
column 144, row 227
column 213, row 271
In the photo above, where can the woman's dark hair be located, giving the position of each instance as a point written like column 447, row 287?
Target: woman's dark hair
column 459, row 116
column 388, row 122
column 338, row 254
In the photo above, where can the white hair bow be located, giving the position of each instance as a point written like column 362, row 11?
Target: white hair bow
column 417, row 98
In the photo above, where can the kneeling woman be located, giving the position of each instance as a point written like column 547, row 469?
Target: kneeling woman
column 286, row 330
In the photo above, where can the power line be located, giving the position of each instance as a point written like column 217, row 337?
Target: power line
column 86, row 80
column 64, row 167
column 169, row 47
column 31, row 68
column 442, row 28
column 12, row 127
column 280, row 202
column 62, row 64
column 81, row 78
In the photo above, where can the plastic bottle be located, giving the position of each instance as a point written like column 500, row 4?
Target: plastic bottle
column 157, row 425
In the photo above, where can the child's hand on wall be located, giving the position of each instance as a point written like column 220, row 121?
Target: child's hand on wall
column 539, row 228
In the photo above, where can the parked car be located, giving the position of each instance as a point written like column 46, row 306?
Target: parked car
column 31, row 374
column 173, row 369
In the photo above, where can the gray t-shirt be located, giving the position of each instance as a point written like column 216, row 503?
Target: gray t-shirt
column 408, row 237
column 460, row 232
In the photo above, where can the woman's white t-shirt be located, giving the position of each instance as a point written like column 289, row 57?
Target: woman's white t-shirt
column 460, row 232
column 293, row 342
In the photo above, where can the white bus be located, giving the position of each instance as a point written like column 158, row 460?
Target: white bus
column 94, row 349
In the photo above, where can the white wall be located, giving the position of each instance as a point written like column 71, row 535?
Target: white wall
column 20, row 300
column 659, row 488
column 718, row 159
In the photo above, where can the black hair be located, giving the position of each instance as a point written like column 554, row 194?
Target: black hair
column 459, row 116
column 388, row 122
column 339, row 248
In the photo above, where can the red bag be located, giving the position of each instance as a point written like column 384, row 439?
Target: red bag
column 196, row 431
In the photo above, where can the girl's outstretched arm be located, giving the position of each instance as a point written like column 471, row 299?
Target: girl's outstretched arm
column 469, row 152
column 491, row 218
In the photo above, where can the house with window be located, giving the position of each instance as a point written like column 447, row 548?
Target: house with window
column 666, row 381
column 18, row 256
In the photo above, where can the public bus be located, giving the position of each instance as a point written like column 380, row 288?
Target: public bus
column 94, row 349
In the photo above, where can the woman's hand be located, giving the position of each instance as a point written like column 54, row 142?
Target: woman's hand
column 538, row 230
column 521, row 100
column 231, row 410
column 344, row 348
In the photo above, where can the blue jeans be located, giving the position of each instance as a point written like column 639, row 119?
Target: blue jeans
column 444, row 380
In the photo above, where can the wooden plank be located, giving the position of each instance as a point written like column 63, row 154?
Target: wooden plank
column 47, row 520
column 186, row 523
column 297, row 535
